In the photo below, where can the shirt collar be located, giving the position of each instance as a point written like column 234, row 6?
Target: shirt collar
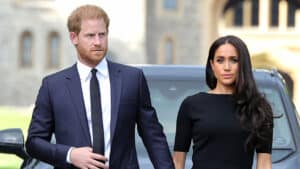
column 85, row 71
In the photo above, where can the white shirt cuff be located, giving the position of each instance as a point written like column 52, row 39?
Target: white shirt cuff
column 68, row 155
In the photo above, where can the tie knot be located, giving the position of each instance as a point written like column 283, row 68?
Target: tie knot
column 94, row 71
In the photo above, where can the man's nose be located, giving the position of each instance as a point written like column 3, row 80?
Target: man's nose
column 97, row 40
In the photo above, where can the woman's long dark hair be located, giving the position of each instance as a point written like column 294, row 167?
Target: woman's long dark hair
column 253, row 110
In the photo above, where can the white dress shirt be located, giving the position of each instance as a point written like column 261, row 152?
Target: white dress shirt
column 104, row 83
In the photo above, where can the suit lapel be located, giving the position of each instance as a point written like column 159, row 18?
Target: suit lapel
column 75, row 91
column 116, row 87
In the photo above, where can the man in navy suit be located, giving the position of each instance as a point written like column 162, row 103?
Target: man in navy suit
column 63, row 106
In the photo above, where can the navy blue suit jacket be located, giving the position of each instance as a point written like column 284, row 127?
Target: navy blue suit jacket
column 59, row 109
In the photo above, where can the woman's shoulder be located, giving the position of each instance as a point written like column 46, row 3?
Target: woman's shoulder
column 204, row 96
column 197, row 96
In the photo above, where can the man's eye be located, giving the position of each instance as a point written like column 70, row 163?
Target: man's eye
column 101, row 35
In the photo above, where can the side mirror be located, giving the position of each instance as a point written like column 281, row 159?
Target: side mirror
column 12, row 142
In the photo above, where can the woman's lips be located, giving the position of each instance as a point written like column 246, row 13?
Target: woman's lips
column 227, row 76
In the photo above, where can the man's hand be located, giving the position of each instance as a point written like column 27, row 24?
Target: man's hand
column 84, row 158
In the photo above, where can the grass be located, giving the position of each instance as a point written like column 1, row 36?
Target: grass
column 13, row 117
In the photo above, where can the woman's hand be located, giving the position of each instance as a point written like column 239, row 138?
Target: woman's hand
column 179, row 159
column 264, row 161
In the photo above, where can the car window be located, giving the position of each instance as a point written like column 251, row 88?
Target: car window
column 282, row 137
column 298, row 117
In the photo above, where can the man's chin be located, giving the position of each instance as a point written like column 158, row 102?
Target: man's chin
column 98, row 59
column 99, row 54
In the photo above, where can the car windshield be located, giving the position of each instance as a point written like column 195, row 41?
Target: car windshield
column 167, row 95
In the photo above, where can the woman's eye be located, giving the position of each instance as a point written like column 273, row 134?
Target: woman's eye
column 235, row 60
column 219, row 60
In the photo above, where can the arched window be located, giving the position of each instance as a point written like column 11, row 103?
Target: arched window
column 168, row 51
column 170, row 4
column 293, row 5
column 53, row 60
column 254, row 12
column 238, row 11
column 242, row 12
column 26, row 48
column 275, row 13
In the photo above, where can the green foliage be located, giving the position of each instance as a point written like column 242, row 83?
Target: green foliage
column 11, row 117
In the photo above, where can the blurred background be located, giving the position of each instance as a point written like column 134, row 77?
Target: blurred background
column 34, row 41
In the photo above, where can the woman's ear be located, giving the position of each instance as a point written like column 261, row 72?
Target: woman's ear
column 212, row 65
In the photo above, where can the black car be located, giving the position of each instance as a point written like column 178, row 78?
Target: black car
column 169, row 85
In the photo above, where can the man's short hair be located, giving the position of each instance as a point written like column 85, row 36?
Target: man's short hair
column 86, row 12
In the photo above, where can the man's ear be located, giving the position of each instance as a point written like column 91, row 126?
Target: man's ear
column 74, row 38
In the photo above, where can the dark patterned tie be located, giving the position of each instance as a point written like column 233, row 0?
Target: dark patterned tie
column 96, row 110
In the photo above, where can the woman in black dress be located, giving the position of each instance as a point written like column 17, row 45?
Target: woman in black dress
column 232, row 120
